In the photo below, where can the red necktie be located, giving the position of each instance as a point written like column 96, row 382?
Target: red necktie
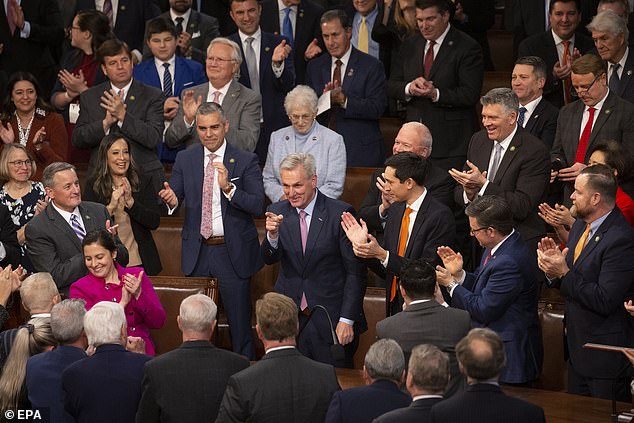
column 402, row 243
column 336, row 81
column 567, row 82
column 10, row 16
column 429, row 59
column 585, row 137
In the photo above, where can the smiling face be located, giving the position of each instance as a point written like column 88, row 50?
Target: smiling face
column 564, row 19
column 431, row 23
column 20, row 167
column 336, row 38
column 246, row 15
column 298, row 188
column 211, row 130
column 24, row 96
column 118, row 69
column 497, row 121
column 99, row 261
column 162, row 45
column 119, row 158
column 525, row 83
column 220, row 66
column 65, row 192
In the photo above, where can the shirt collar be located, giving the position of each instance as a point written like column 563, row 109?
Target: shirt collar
column 370, row 16
column 345, row 58
column 310, row 207
column 222, row 89
column 494, row 249
column 66, row 215
column 599, row 104
column 532, row 105
column 415, row 206
column 220, row 152
column 285, row 347
column 420, row 397
column 596, row 223
column 126, row 89
column 185, row 16
column 159, row 63
column 507, row 141
column 442, row 36
column 33, row 316
column 418, row 302
column 560, row 41
column 281, row 6
column 256, row 36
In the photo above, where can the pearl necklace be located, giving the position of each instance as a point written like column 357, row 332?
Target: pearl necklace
column 24, row 134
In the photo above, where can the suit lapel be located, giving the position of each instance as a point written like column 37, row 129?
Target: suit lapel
column 443, row 53
column 626, row 75
column 317, row 221
column 89, row 222
column 399, row 210
column 604, row 115
column 194, row 19
column 347, row 79
column 420, row 218
column 509, row 155
column 533, row 119
column 132, row 98
column 575, row 129
column 231, row 96
column 294, row 234
column 58, row 221
column 597, row 236
column 266, row 55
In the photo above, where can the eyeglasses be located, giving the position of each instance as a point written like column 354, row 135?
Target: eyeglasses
column 20, row 163
column 585, row 88
column 475, row 231
column 297, row 118
column 217, row 60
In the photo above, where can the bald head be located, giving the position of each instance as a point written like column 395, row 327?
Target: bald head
column 414, row 137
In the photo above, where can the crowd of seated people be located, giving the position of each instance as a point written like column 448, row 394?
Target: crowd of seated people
column 247, row 115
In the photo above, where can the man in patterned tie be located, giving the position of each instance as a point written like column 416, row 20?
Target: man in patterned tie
column 222, row 189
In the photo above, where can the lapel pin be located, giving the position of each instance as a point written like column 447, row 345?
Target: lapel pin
column 597, row 238
column 512, row 148
column 350, row 72
column 267, row 49
column 122, row 7
column 232, row 160
column 87, row 217
column 301, row 14
column 629, row 72
column 535, row 117
column 132, row 98
column 320, row 219
column 450, row 43
column 607, row 111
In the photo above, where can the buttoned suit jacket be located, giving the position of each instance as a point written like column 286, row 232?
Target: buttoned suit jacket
column 306, row 30
column 241, row 236
column 187, row 74
column 457, row 72
column 594, row 290
column 484, row 403
column 626, row 83
column 284, row 386
column 543, row 123
column 199, row 372
column 418, row 412
column 362, row 404
column 543, row 45
column 365, row 88
column 54, row 247
column 241, row 106
column 443, row 327
column 502, row 296
column 521, row 179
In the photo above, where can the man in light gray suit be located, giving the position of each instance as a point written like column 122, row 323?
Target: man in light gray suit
column 241, row 105
column 443, row 326
column 55, row 235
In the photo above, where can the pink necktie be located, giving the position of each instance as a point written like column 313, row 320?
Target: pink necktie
column 303, row 229
column 107, row 10
column 10, row 16
column 206, row 217
column 216, row 97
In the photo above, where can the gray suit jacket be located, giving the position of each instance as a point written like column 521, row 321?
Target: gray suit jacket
column 54, row 247
column 242, row 109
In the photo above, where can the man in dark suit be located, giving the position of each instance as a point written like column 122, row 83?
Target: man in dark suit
column 595, row 278
column 356, row 84
column 301, row 28
column 105, row 387
column 444, row 326
column 439, row 75
column 427, row 377
column 598, row 115
column 240, row 104
column 517, row 164
column 44, row 371
column 383, row 373
column 267, row 68
column 502, row 293
column 475, row 18
column 284, row 385
column 535, row 114
column 529, row 18
column 54, row 236
column 195, row 30
column 29, row 38
column 481, row 357
column 318, row 266
column 222, row 189
column 197, row 370
column 124, row 106
column 416, row 225
column 558, row 46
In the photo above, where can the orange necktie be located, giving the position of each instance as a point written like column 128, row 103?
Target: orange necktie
column 567, row 82
column 581, row 243
column 402, row 243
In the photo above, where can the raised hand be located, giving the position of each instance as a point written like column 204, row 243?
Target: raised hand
column 114, row 104
column 135, row 344
column 190, row 106
column 312, row 50
column 452, row 261
column 6, row 133
column 356, row 233
column 168, row 195
column 273, row 222
column 281, row 52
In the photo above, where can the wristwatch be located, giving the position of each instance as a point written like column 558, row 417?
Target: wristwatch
column 451, row 286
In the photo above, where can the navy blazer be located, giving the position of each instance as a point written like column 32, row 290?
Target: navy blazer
column 365, row 88
column 241, row 236
column 187, row 74
column 543, row 123
column 502, row 296
column 417, row 412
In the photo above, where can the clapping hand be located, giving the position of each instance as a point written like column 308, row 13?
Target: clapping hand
column 6, row 133
column 550, row 260
column 131, row 288
column 452, row 261
column 135, row 344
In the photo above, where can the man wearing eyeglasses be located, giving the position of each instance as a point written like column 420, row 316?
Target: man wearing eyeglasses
column 241, row 105
column 599, row 114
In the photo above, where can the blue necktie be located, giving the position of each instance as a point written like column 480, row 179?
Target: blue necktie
column 167, row 81
column 77, row 228
column 614, row 79
column 287, row 27
column 520, row 117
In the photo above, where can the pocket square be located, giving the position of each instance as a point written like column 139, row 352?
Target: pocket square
column 196, row 34
column 234, row 179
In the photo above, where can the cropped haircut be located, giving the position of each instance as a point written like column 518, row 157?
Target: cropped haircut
column 103, row 323
column 208, row 108
column 616, row 156
column 112, row 47
column 276, row 316
column 158, row 26
column 300, row 96
column 589, row 63
column 429, row 368
column 385, row 360
column 67, row 320
column 608, row 21
column 423, row 132
column 295, row 160
column 197, row 313
column 504, row 97
column 576, row 2
column 5, row 174
column 336, row 15
column 48, row 176
column 481, row 354
column 236, row 53
column 408, row 165
column 492, row 211
column 600, row 179
column 536, row 62
column 38, row 291
column 443, row 6
column 418, row 279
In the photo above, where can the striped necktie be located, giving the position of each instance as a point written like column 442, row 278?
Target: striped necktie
column 77, row 228
column 167, row 81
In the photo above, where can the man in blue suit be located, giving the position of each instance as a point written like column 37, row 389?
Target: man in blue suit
column 594, row 275
column 318, row 267
column 267, row 68
column 168, row 72
column 358, row 91
column 222, row 188
column 502, row 293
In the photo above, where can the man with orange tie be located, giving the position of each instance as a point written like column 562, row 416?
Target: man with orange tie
column 318, row 269
column 416, row 225
column 595, row 275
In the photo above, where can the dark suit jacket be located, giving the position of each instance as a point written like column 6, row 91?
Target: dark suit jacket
column 241, row 236
column 529, row 18
column 543, row 45
column 329, row 273
column 187, row 74
column 594, row 289
column 365, row 88
column 626, row 83
column 457, row 72
column 105, row 387
column 362, row 404
column 131, row 17
column 502, row 296
column 485, row 403
column 284, row 386
column 417, row 412
column 54, row 247
column 443, row 327
column 198, row 371
column 145, row 216
column 522, row 177
column 306, row 30
column 9, row 239
column 44, row 380
column 543, row 123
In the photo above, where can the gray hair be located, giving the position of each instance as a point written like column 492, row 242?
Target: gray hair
column 103, row 323
column 294, row 160
column 37, row 292
column 67, row 320
column 236, row 54
column 197, row 313
column 426, row 139
column 505, row 97
column 48, row 176
column 385, row 360
column 301, row 96
column 429, row 368
column 609, row 21
column 208, row 108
